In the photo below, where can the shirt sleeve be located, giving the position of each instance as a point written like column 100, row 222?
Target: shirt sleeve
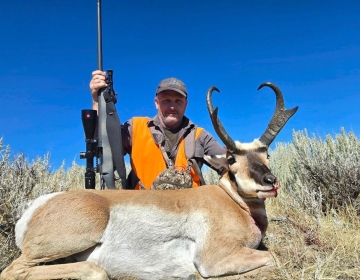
column 209, row 145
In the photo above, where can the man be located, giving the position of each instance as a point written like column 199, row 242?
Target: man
column 151, row 141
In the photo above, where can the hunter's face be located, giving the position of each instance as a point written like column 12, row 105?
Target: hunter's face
column 171, row 107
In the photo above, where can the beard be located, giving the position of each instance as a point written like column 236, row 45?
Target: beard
column 171, row 120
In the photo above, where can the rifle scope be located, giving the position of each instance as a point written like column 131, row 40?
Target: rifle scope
column 89, row 118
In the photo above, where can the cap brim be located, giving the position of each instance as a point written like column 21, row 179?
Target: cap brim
column 172, row 89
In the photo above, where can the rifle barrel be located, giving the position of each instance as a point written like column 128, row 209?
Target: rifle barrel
column 99, row 34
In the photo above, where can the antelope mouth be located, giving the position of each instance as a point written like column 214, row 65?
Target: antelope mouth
column 271, row 192
column 267, row 193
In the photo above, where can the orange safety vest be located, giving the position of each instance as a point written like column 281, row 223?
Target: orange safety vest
column 147, row 161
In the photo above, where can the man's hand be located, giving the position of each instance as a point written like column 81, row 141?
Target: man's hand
column 97, row 82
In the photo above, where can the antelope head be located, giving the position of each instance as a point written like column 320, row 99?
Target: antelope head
column 247, row 164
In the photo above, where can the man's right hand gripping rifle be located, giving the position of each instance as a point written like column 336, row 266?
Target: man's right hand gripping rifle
column 100, row 83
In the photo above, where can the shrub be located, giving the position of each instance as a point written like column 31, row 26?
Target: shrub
column 320, row 173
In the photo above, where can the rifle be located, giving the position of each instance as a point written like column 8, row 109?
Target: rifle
column 108, row 146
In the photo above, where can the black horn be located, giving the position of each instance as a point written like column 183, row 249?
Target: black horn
column 280, row 117
column 219, row 129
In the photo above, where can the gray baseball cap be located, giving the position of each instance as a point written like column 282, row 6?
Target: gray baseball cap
column 172, row 84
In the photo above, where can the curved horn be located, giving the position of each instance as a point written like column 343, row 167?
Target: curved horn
column 219, row 129
column 280, row 117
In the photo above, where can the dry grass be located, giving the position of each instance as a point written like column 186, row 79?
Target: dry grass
column 314, row 222
column 311, row 247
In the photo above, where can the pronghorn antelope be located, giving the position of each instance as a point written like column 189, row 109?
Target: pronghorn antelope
column 210, row 231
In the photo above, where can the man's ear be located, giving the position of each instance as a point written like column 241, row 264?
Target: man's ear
column 156, row 100
column 218, row 161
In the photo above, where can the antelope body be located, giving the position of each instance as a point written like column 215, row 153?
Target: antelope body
column 212, row 230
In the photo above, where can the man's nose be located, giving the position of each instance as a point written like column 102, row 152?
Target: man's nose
column 172, row 105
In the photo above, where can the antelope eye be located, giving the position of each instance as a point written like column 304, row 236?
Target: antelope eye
column 268, row 156
column 231, row 160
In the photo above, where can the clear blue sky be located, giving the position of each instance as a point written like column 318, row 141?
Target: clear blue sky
column 310, row 49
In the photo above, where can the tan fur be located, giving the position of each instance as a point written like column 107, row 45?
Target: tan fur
column 75, row 216
column 211, row 230
column 74, row 221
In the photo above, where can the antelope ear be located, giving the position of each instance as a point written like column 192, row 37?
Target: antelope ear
column 218, row 161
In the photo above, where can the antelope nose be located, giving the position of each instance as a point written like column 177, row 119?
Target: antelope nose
column 269, row 179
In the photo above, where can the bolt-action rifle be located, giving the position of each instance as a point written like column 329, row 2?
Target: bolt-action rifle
column 108, row 145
